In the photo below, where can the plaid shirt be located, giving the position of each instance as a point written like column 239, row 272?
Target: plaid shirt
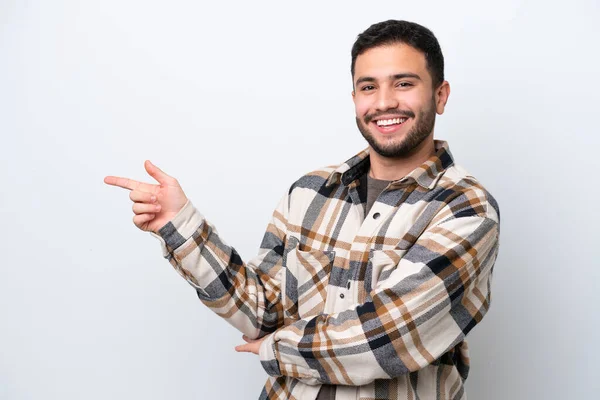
column 378, row 304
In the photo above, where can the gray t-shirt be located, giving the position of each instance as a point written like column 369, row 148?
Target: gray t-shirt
column 374, row 189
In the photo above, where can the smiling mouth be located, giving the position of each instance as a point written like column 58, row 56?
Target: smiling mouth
column 390, row 122
column 389, row 126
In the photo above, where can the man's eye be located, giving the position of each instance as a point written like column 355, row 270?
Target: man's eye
column 404, row 84
column 368, row 87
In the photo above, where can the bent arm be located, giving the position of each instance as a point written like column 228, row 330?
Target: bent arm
column 437, row 292
column 247, row 295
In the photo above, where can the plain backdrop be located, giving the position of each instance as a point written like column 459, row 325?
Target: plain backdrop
column 237, row 100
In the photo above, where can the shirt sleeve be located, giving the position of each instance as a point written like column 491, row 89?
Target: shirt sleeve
column 247, row 295
column 436, row 293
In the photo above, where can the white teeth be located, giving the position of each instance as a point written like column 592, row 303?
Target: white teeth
column 386, row 122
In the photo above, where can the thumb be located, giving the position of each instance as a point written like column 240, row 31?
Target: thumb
column 242, row 348
column 156, row 172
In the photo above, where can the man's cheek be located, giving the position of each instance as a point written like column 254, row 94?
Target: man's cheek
column 362, row 111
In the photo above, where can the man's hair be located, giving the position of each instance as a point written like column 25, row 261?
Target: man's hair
column 414, row 35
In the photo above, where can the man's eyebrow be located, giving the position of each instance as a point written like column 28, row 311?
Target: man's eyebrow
column 404, row 75
column 391, row 77
column 365, row 79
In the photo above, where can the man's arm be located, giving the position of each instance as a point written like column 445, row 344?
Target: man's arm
column 247, row 295
column 435, row 295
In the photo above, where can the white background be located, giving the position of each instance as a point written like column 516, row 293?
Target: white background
column 237, row 100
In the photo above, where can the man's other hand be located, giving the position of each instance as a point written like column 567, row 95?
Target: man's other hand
column 252, row 345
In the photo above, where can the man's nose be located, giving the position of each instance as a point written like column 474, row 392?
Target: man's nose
column 386, row 100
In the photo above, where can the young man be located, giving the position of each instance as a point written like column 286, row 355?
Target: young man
column 371, row 272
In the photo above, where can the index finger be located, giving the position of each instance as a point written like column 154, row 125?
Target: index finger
column 125, row 183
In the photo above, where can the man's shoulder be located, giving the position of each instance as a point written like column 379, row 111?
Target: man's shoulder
column 464, row 193
column 325, row 177
column 315, row 179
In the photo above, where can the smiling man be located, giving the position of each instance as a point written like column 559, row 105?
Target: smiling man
column 371, row 272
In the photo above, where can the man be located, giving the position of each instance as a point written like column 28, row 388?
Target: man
column 370, row 273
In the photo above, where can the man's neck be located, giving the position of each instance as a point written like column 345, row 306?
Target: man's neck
column 392, row 169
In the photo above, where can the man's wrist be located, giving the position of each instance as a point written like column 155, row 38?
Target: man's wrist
column 183, row 225
column 268, row 355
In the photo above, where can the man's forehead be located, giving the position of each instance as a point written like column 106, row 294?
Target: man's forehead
column 386, row 60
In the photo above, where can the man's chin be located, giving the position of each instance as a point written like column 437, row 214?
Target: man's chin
column 388, row 151
column 389, row 147
column 396, row 148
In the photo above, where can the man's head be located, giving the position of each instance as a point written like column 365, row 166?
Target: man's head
column 398, row 80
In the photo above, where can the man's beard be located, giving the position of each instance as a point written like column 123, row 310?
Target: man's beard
column 418, row 133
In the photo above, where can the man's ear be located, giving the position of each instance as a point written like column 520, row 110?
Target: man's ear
column 441, row 97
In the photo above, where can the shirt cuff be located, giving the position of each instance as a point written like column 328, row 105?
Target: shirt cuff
column 268, row 356
column 177, row 231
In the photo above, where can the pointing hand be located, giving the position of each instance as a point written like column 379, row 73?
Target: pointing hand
column 153, row 205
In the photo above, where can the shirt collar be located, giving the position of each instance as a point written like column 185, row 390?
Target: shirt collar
column 426, row 175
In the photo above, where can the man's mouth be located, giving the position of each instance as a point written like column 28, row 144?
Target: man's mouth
column 390, row 122
column 389, row 125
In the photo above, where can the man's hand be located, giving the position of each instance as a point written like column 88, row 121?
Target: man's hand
column 252, row 345
column 153, row 205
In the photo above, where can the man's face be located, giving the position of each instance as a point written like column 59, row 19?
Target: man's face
column 394, row 99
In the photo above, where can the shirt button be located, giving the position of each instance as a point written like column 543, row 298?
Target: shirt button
column 348, row 284
column 376, row 215
column 341, row 295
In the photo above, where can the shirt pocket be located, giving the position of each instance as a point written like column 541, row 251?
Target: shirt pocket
column 380, row 266
column 306, row 279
